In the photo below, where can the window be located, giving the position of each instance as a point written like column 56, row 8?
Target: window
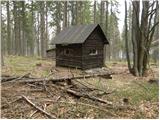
column 67, row 51
column 93, row 52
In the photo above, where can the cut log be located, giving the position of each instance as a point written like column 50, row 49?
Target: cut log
column 38, row 108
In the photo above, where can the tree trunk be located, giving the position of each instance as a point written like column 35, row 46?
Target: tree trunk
column 42, row 29
column 33, row 33
column 24, row 43
column 76, row 13
column 15, row 28
column 143, row 33
column 150, row 36
column 135, row 35
column 95, row 11
column 106, row 47
column 2, row 60
column 38, row 34
column 65, row 15
column 18, row 45
column 73, row 20
column 102, row 14
column 126, row 38
column 80, row 16
column 106, row 17
column 58, row 17
column 8, row 29
column 46, row 42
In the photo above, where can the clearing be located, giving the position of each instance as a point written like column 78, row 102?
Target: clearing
column 131, row 97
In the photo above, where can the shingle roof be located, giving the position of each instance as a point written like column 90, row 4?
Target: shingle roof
column 76, row 34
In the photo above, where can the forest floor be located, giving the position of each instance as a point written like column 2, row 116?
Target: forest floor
column 131, row 97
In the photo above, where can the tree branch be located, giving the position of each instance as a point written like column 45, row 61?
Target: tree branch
column 38, row 108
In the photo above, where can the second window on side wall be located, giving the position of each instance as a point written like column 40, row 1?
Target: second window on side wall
column 93, row 52
column 68, row 52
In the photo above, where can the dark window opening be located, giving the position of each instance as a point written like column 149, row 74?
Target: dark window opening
column 93, row 52
column 67, row 52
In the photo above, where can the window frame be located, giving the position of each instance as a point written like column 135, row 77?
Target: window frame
column 93, row 52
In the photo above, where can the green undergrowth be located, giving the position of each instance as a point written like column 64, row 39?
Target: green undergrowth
column 138, row 93
column 20, row 65
column 133, row 90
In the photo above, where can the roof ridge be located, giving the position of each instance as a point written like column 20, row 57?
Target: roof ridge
column 74, row 34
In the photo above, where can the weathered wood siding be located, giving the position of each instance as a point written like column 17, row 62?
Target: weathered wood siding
column 74, row 59
column 94, row 41
column 51, row 54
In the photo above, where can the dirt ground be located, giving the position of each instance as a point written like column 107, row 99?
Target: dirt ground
column 131, row 97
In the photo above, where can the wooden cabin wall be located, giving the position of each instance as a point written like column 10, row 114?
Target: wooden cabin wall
column 51, row 54
column 72, row 60
column 94, row 41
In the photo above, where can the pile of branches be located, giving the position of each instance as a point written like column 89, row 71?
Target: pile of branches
column 70, row 88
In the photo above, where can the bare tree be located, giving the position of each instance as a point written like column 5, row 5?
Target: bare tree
column 142, row 34
column 126, row 38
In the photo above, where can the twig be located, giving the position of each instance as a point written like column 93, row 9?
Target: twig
column 46, row 89
column 38, row 108
column 58, row 98
column 78, row 94
column 93, row 88
column 105, row 93
column 33, row 113
column 32, row 85
column 44, row 106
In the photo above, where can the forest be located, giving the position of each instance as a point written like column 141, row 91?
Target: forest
column 130, row 74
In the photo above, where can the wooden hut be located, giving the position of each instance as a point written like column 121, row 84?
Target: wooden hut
column 80, row 46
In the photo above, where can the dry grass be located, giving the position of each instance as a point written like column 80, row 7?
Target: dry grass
column 142, row 96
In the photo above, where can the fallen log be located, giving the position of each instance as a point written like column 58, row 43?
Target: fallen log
column 6, row 79
column 78, row 94
column 30, row 80
column 11, row 78
column 38, row 108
